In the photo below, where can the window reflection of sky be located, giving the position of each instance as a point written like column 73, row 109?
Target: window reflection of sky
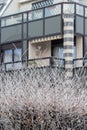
column 7, row 56
column 17, row 54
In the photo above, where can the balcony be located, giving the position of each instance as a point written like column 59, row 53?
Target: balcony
column 32, row 24
column 80, row 63
column 42, row 22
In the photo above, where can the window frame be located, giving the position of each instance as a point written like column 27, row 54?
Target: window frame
column 10, row 46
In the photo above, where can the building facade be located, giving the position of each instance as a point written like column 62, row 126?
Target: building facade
column 43, row 33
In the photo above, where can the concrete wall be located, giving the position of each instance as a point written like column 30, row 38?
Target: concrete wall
column 40, row 50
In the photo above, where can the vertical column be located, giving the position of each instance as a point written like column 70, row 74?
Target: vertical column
column 68, row 42
column 25, row 39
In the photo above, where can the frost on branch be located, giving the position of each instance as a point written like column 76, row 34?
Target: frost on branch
column 43, row 99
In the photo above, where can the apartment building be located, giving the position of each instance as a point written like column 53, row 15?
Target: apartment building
column 43, row 33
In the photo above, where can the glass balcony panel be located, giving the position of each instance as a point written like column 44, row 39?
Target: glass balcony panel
column 78, row 63
column 53, row 10
column 11, row 20
column 36, row 14
column 79, row 10
column 17, row 66
column 68, row 8
column 24, row 17
column 85, row 12
column 9, row 67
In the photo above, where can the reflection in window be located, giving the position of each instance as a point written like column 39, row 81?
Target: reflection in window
column 79, row 10
column 10, row 20
column 37, row 14
column 53, row 10
column 13, row 56
column 85, row 12
column 58, row 52
column 7, row 56
column 68, row 8
column 17, row 54
column 74, row 55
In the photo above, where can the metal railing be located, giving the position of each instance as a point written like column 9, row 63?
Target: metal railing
column 37, row 62
column 31, row 15
column 51, row 10
column 80, row 62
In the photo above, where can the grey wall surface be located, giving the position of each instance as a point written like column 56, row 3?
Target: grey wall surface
column 35, row 28
column 11, row 33
column 53, row 25
column 79, row 25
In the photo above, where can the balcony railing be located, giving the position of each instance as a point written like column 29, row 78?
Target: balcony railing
column 42, row 22
column 39, row 62
column 80, row 62
column 42, row 62
column 31, row 15
column 51, row 10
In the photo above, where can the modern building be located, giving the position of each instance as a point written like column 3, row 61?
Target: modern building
column 43, row 33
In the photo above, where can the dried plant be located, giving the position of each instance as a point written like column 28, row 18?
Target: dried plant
column 43, row 99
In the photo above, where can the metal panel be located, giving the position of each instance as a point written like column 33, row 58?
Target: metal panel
column 53, row 25
column 11, row 33
column 35, row 28
column 79, row 25
column 25, row 30
column 85, row 46
column 86, row 26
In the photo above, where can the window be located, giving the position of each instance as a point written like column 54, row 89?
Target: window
column 17, row 54
column 7, row 56
column 74, row 51
column 57, row 52
column 11, row 55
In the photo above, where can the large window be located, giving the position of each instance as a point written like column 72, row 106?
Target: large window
column 12, row 58
column 17, row 54
column 57, row 48
column 57, row 52
column 7, row 56
column 12, row 55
